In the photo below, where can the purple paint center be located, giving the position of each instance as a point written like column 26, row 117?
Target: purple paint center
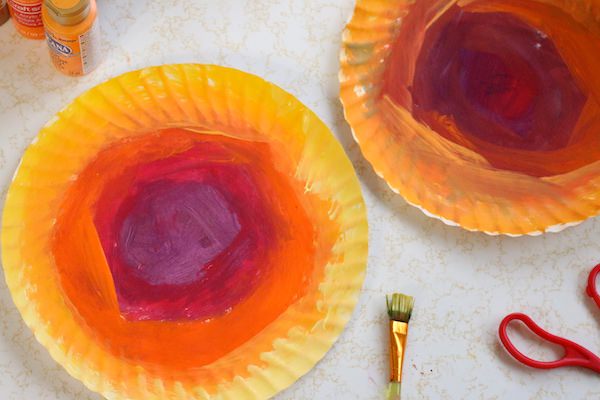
column 494, row 88
column 498, row 79
column 174, row 229
column 186, row 237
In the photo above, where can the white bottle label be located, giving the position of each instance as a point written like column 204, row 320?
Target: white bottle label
column 89, row 44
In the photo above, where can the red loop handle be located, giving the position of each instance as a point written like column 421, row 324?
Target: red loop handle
column 575, row 355
column 591, row 286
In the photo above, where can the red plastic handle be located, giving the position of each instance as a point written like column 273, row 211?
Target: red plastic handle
column 591, row 286
column 575, row 355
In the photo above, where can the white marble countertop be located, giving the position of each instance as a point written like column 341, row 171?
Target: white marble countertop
column 464, row 283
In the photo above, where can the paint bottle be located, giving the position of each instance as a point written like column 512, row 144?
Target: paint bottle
column 27, row 16
column 72, row 35
column 4, row 13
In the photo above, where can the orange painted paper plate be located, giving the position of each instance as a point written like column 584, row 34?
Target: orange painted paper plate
column 185, row 232
column 483, row 113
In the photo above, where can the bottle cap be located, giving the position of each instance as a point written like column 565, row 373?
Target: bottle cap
column 68, row 12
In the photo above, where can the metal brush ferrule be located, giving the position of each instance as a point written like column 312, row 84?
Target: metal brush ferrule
column 398, row 333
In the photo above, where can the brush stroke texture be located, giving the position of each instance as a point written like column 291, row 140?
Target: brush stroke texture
column 184, row 236
column 511, row 82
column 186, row 316
column 499, row 79
column 445, row 170
column 173, row 230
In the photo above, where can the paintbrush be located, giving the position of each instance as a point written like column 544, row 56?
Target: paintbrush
column 399, row 310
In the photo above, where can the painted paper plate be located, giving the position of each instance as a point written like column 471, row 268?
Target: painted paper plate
column 483, row 113
column 185, row 232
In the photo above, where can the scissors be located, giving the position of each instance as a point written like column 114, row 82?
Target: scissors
column 575, row 355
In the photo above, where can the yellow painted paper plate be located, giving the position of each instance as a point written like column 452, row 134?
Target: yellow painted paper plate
column 483, row 113
column 185, row 232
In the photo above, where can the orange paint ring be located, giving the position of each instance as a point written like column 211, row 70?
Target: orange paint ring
column 192, row 344
column 48, row 234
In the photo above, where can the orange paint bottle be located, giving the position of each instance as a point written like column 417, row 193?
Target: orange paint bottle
column 72, row 35
column 4, row 14
column 27, row 17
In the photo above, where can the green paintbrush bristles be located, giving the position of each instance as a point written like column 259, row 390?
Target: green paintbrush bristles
column 400, row 307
